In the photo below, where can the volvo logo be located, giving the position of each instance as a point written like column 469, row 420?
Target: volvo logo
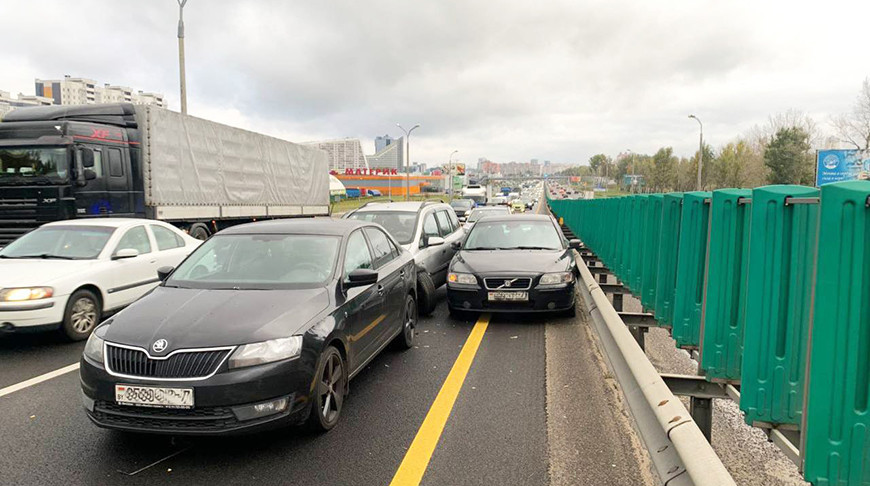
column 507, row 283
column 159, row 346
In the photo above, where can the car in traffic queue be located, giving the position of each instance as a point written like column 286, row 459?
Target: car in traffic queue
column 426, row 229
column 261, row 327
column 66, row 275
column 518, row 207
column 516, row 264
column 482, row 211
column 463, row 208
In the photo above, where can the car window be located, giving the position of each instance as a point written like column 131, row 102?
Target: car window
column 381, row 247
column 444, row 223
column 135, row 238
column 400, row 224
column 357, row 254
column 430, row 227
column 166, row 238
column 454, row 220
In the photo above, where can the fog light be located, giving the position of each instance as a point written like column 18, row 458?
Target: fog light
column 263, row 409
column 551, row 305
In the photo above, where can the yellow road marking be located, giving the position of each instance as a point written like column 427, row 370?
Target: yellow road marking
column 416, row 460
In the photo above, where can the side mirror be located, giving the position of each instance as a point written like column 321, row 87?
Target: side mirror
column 87, row 157
column 89, row 174
column 163, row 272
column 456, row 245
column 575, row 244
column 125, row 253
column 361, row 277
column 435, row 241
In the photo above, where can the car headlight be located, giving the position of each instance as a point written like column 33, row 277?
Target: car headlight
column 266, row 352
column 462, row 278
column 25, row 293
column 556, row 278
column 94, row 348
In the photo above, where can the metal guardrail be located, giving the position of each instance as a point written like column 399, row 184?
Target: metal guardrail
column 678, row 449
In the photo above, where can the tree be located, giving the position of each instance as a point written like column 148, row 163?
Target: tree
column 787, row 155
column 599, row 163
column 729, row 168
column 854, row 128
column 664, row 170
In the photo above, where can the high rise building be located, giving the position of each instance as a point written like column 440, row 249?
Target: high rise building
column 391, row 156
column 343, row 154
column 382, row 142
column 84, row 91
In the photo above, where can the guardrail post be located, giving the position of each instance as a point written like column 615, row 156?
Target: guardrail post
column 701, row 410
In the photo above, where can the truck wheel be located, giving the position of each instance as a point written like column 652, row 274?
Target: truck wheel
column 425, row 294
column 200, row 232
column 83, row 313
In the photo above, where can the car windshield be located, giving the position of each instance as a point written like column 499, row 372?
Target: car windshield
column 60, row 242
column 33, row 164
column 465, row 204
column 479, row 213
column 259, row 262
column 400, row 224
column 513, row 235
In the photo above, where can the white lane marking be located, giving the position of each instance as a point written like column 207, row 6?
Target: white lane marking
column 38, row 379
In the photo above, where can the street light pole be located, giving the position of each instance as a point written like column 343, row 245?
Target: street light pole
column 450, row 175
column 181, row 4
column 408, row 159
column 700, row 149
column 631, row 160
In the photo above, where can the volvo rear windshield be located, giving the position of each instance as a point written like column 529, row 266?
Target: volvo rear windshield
column 29, row 165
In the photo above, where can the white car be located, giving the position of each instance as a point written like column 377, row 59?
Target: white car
column 68, row 274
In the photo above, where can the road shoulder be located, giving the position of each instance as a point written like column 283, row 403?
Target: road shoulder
column 591, row 438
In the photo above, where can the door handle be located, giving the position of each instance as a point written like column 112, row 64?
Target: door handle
column 380, row 290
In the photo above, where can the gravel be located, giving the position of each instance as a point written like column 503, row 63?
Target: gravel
column 747, row 454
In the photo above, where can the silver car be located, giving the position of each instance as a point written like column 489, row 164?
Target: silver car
column 427, row 230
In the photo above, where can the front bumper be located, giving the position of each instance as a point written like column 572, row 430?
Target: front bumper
column 31, row 316
column 218, row 400
column 541, row 299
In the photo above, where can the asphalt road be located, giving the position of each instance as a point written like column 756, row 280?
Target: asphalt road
column 535, row 408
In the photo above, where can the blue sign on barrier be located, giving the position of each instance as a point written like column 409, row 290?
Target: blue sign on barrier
column 842, row 165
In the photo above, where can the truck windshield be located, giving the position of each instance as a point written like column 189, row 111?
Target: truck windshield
column 33, row 164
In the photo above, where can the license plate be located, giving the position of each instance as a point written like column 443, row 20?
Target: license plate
column 509, row 296
column 154, row 396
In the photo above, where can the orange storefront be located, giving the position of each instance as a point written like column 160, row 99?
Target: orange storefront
column 390, row 184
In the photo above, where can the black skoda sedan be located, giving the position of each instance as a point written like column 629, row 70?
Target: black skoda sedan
column 518, row 263
column 262, row 326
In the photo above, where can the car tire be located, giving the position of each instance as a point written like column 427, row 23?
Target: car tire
column 408, row 335
column 425, row 293
column 330, row 390
column 200, row 232
column 82, row 314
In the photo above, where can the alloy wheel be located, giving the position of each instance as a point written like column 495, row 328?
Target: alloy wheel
column 332, row 388
column 410, row 325
column 84, row 315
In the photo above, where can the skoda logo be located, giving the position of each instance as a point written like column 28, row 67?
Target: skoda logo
column 159, row 346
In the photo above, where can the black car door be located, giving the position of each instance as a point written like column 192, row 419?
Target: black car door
column 391, row 280
column 364, row 306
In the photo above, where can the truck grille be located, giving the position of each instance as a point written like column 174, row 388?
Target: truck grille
column 187, row 364
column 508, row 283
column 17, row 216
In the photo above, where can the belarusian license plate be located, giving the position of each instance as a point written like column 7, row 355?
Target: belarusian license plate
column 154, row 396
column 509, row 296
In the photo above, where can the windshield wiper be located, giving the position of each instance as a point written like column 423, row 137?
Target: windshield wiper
column 44, row 256
column 532, row 248
column 484, row 248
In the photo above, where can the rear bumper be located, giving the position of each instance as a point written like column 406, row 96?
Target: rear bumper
column 540, row 300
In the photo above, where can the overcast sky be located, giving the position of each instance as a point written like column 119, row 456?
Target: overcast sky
column 507, row 79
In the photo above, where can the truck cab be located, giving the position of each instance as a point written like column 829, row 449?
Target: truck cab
column 60, row 162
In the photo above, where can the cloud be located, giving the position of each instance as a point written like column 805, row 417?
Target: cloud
column 509, row 80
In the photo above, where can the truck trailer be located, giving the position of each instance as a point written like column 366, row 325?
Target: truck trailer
column 125, row 160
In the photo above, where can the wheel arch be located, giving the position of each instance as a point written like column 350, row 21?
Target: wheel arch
column 96, row 291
